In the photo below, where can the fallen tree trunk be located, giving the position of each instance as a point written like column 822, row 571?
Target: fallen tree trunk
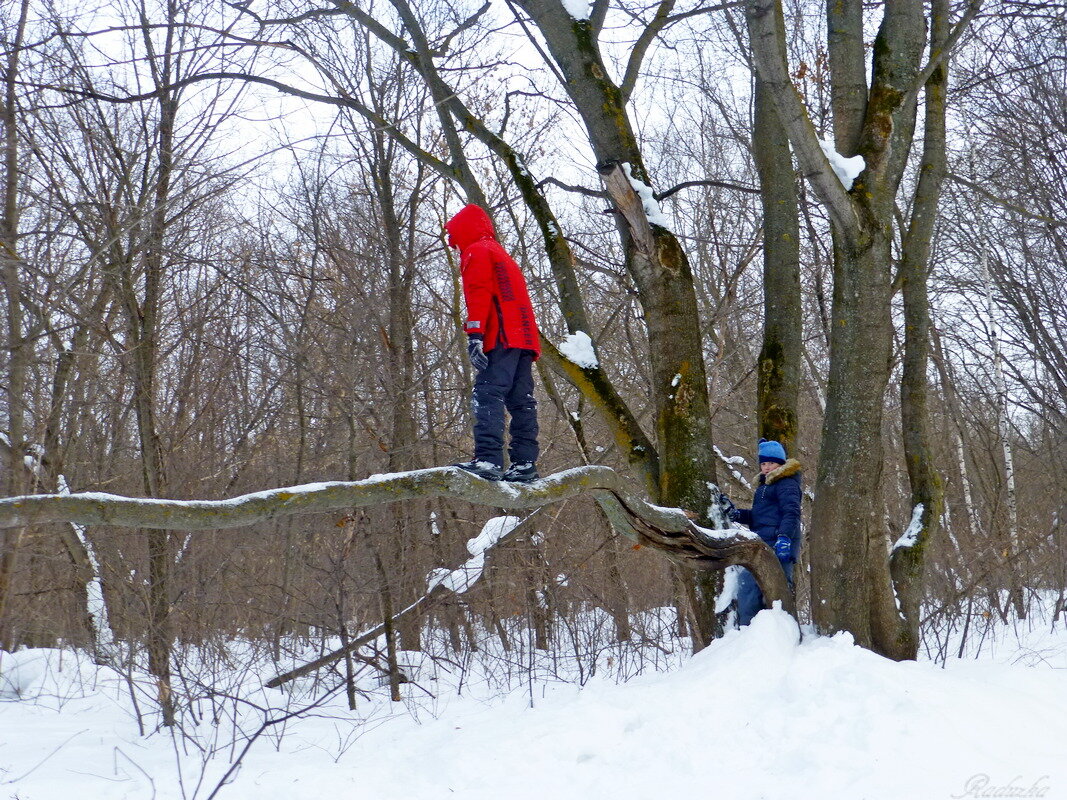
column 669, row 531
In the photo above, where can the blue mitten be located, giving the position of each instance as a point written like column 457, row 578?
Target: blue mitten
column 783, row 548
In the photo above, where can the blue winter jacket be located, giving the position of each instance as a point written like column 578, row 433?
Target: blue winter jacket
column 776, row 505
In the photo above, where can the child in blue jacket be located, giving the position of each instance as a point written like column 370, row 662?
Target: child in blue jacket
column 775, row 516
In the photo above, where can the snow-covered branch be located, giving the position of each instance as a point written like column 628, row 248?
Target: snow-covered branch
column 667, row 530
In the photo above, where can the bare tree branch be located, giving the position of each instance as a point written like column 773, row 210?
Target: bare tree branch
column 1000, row 201
column 941, row 51
column 644, row 41
column 599, row 193
column 342, row 100
column 737, row 187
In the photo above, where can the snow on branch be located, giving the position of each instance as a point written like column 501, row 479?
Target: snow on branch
column 670, row 531
column 732, row 463
column 96, row 508
column 910, row 537
column 846, row 169
column 467, row 574
column 648, row 198
column 578, row 349
column 440, row 583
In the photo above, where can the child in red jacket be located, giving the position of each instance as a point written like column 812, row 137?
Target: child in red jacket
column 503, row 343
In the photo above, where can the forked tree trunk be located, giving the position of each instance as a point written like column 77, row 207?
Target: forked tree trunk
column 852, row 586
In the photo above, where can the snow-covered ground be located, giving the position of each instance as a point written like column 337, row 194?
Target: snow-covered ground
column 756, row 715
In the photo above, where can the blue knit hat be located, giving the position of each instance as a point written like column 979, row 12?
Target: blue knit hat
column 771, row 451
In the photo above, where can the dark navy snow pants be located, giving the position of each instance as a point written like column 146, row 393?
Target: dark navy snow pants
column 750, row 598
column 506, row 383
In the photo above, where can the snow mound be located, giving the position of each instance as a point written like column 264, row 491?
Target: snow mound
column 21, row 671
column 757, row 714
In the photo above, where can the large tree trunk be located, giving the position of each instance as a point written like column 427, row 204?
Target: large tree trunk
column 848, row 548
column 851, row 581
column 779, row 366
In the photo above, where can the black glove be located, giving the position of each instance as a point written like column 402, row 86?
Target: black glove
column 477, row 355
column 728, row 508
column 783, row 548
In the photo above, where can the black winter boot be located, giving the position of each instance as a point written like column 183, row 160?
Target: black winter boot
column 483, row 469
column 525, row 472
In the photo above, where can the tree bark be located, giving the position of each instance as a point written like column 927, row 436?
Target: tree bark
column 847, row 538
column 780, row 358
column 142, row 328
column 927, row 494
column 848, row 64
column 16, row 343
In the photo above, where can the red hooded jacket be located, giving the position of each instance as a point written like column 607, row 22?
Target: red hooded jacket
column 498, row 305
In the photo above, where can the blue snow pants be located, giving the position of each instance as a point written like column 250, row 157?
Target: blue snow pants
column 750, row 598
column 507, row 383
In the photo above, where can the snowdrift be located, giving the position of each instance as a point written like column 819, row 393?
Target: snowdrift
column 758, row 714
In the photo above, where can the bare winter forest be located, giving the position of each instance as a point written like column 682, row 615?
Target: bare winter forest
column 224, row 271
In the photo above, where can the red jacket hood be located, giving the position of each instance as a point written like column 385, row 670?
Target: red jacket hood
column 470, row 224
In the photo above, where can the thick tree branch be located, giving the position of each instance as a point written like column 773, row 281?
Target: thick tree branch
column 907, row 561
column 598, row 389
column 767, row 34
column 644, row 41
column 848, row 70
column 668, row 530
